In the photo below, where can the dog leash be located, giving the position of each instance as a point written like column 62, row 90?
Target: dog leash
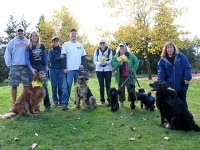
column 135, row 78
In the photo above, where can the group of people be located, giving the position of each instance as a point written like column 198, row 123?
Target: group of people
column 27, row 57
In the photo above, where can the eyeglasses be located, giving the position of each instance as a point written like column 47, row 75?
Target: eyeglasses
column 20, row 30
column 102, row 43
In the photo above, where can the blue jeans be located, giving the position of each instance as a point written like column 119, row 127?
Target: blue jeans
column 56, row 76
column 101, row 77
column 67, row 84
column 182, row 96
column 47, row 103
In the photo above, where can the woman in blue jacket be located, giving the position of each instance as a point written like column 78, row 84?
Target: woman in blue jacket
column 175, row 70
column 56, row 71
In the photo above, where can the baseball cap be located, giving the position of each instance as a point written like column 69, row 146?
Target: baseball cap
column 73, row 30
column 20, row 27
column 122, row 44
column 55, row 37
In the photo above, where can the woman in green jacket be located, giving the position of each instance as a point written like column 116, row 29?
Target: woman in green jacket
column 124, row 63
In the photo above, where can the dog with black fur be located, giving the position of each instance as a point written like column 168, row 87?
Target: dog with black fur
column 172, row 108
column 134, row 96
column 113, row 98
column 151, row 99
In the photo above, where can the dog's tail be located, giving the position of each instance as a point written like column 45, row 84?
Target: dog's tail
column 8, row 115
column 196, row 128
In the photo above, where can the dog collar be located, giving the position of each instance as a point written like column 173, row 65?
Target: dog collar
column 78, row 85
column 36, row 84
column 170, row 89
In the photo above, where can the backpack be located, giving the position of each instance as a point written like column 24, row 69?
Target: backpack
column 106, row 56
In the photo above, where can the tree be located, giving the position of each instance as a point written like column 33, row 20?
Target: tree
column 150, row 25
column 46, row 32
column 11, row 28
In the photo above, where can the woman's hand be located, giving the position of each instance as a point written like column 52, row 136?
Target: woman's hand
column 186, row 81
column 47, row 68
column 33, row 71
column 62, row 56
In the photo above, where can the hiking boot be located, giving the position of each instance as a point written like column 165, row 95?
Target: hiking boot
column 121, row 104
column 56, row 104
column 64, row 108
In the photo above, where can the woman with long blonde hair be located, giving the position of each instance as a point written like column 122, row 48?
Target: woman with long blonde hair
column 36, row 60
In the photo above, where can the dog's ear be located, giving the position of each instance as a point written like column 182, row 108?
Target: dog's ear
column 36, row 77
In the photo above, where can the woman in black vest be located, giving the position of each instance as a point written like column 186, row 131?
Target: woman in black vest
column 37, row 61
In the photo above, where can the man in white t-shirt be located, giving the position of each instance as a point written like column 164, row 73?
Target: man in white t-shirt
column 74, row 53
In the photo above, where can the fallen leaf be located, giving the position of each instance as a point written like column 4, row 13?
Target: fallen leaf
column 16, row 139
column 166, row 138
column 70, row 124
column 36, row 134
column 33, row 145
column 121, row 117
column 112, row 124
column 132, row 139
column 133, row 129
column 74, row 128
column 131, row 114
column 79, row 118
column 87, row 122
column 144, row 119
column 139, row 136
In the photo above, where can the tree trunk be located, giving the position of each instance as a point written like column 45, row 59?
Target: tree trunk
column 148, row 62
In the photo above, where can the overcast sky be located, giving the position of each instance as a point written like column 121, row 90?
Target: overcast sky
column 89, row 14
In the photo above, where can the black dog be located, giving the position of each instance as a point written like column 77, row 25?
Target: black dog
column 113, row 98
column 172, row 108
column 151, row 99
column 133, row 96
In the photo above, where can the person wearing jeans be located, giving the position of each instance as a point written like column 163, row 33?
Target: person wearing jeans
column 74, row 54
column 102, row 60
column 37, row 61
column 56, row 72
column 174, row 68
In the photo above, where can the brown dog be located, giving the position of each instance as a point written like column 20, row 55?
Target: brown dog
column 83, row 92
column 29, row 102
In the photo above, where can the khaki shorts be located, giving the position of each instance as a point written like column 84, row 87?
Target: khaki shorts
column 18, row 73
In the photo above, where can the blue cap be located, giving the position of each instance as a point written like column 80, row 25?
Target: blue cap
column 122, row 44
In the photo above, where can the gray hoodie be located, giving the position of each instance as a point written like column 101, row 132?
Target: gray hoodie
column 15, row 52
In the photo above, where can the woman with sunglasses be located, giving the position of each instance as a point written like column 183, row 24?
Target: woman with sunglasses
column 56, row 71
column 102, row 60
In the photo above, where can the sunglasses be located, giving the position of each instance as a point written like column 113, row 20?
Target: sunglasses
column 20, row 30
column 102, row 43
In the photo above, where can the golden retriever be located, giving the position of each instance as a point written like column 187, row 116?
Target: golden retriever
column 29, row 102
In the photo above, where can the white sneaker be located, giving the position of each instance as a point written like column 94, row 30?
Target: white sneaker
column 121, row 104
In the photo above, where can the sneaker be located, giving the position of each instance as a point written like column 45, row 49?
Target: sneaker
column 121, row 104
column 60, row 103
column 56, row 104
column 11, row 107
column 48, row 108
column 64, row 108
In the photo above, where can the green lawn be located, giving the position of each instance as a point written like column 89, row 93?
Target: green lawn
column 98, row 129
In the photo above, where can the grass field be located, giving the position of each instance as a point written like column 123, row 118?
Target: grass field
column 98, row 129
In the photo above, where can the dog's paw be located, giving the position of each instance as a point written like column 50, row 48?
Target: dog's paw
column 161, row 125
column 168, row 126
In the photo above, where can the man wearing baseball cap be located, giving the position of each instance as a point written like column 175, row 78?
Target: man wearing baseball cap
column 15, row 60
